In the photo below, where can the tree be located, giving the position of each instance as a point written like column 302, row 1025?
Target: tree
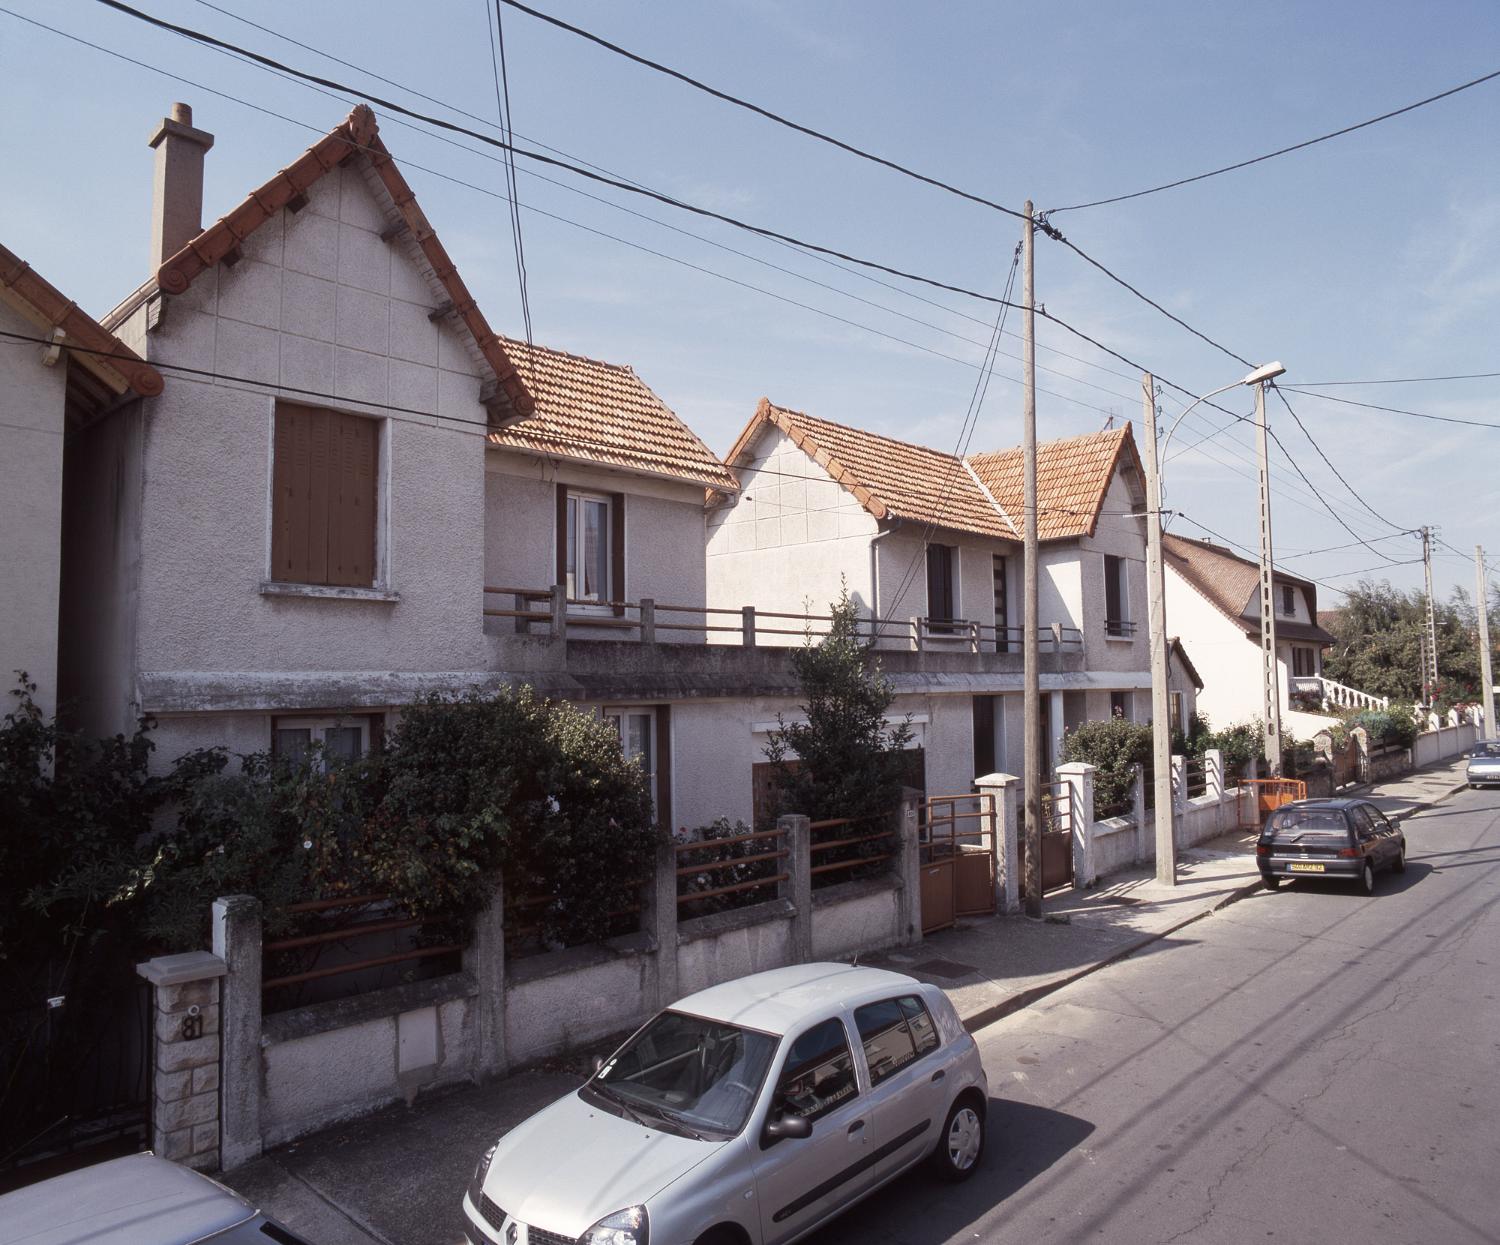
column 851, row 762
column 1379, row 643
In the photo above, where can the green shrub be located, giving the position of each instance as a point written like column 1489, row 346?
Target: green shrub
column 1394, row 726
column 1241, row 743
column 1113, row 747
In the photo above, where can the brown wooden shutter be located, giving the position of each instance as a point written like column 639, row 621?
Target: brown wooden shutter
column 617, row 551
column 323, row 497
column 562, row 534
column 664, row 766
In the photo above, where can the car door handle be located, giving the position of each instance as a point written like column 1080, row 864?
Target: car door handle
column 857, row 1127
column 938, row 1076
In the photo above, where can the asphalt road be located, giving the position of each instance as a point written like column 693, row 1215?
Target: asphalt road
column 1309, row 1065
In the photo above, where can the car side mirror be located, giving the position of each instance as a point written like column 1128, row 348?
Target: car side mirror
column 792, row 1127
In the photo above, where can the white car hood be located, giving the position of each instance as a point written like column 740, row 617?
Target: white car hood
column 571, row 1164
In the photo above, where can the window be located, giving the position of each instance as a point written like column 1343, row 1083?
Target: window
column 1116, row 598
column 895, row 1032
column 591, row 547
column 1288, row 600
column 1002, row 606
column 942, row 606
column 1177, row 712
column 1119, row 705
column 323, row 497
column 341, row 739
column 819, row 1072
column 645, row 736
column 1304, row 661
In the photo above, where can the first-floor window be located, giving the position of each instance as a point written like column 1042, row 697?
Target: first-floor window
column 1119, row 705
column 1178, row 714
column 645, row 736
column 1304, row 661
column 340, row 739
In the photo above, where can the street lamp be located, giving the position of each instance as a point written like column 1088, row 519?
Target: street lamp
column 1161, row 728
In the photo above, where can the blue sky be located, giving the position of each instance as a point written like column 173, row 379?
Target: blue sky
column 1375, row 255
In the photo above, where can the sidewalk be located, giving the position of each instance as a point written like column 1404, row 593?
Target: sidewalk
column 396, row 1178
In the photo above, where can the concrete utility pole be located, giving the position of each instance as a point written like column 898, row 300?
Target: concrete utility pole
column 1161, row 726
column 1429, row 664
column 1486, row 676
column 1030, row 657
column 1270, row 678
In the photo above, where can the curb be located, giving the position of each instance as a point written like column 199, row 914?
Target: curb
column 998, row 1011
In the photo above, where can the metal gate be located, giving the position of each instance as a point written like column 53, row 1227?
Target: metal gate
column 1259, row 796
column 957, row 859
column 75, row 1059
column 1057, row 839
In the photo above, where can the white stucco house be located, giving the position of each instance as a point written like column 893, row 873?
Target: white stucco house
column 929, row 546
column 60, row 372
column 1213, row 604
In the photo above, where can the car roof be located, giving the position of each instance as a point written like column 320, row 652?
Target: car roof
column 782, row 999
column 1341, row 801
column 121, row 1202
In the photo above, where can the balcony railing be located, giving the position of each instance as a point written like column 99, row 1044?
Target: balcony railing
column 550, row 611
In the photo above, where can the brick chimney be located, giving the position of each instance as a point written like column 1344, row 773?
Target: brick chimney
column 177, row 188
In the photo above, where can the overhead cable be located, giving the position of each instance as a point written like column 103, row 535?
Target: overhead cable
column 1394, row 410
column 1282, row 151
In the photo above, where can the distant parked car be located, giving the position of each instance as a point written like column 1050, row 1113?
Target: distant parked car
column 747, row 1114
column 139, row 1200
column 1484, row 763
column 1345, row 839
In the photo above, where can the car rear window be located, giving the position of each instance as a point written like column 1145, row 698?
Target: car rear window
column 1487, row 749
column 1307, row 825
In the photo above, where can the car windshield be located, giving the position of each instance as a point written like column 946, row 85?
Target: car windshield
column 1487, row 748
column 699, row 1074
column 1307, row 825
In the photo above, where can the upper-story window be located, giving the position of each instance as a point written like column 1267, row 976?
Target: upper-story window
column 324, row 497
column 1304, row 661
column 1288, row 600
column 1116, row 598
column 998, row 567
column 942, row 593
column 591, row 545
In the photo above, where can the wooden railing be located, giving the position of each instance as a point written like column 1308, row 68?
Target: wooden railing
column 732, row 871
column 846, row 847
column 550, row 611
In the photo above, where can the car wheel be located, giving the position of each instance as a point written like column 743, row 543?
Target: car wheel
column 961, row 1145
column 1271, row 881
column 1367, row 878
column 1400, row 864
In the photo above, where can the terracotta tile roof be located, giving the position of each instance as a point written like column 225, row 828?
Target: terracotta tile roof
column 98, row 350
column 358, row 132
column 891, row 479
column 604, row 413
column 1230, row 582
column 1072, row 477
column 981, row 494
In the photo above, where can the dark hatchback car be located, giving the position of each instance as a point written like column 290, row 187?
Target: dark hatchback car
column 1346, row 840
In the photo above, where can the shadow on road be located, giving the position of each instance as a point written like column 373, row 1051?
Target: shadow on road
column 1022, row 1142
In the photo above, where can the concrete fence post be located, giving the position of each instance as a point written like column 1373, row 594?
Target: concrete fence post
column 1079, row 778
column 1005, row 842
column 747, row 626
column 1179, row 801
column 648, row 621
column 484, row 958
column 909, row 875
column 796, row 837
column 1145, row 836
column 662, row 903
column 1213, row 780
column 185, row 1034
column 236, row 941
column 559, row 604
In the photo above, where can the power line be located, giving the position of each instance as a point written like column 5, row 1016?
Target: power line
column 1282, row 151
column 762, row 112
column 502, row 106
column 1353, row 544
column 1394, row 410
column 1297, row 467
column 1405, row 531
column 1396, row 380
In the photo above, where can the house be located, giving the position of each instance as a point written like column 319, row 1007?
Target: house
column 928, row 545
column 60, row 372
column 298, row 535
column 1213, row 604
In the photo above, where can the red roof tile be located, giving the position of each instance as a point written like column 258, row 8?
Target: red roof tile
column 99, row 350
column 603, row 413
column 1230, row 583
column 1072, row 477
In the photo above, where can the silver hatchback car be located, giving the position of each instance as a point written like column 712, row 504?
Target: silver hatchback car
column 1484, row 763
column 753, row 1111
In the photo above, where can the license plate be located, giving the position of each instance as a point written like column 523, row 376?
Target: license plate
column 1302, row 868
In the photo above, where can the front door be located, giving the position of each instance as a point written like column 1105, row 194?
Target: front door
column 801, row 1181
